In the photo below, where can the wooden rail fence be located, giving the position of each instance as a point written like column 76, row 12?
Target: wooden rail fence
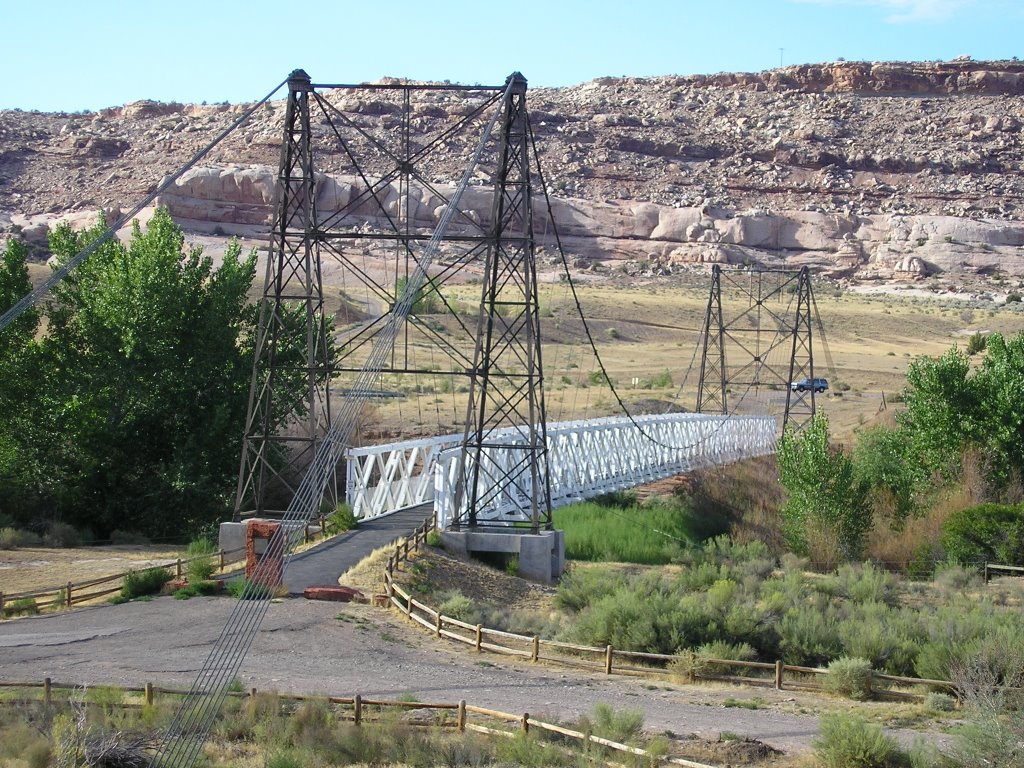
column 362, row 711
column 778, row 674
column 72, row 592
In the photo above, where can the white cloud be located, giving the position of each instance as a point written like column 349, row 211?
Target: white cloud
column 901, row 11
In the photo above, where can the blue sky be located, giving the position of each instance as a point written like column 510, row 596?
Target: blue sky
column 71, row 55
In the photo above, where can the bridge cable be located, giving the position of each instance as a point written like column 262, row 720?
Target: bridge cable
column 586, row 326
column 192, row 723
column 44, row 288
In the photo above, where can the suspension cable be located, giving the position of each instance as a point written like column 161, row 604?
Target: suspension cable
column 590, row 337
column 44, row 288
column 195, row 717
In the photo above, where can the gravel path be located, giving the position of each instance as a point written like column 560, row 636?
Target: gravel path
column 340, row 649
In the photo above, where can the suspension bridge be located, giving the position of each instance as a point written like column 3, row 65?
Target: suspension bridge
column 368, row 192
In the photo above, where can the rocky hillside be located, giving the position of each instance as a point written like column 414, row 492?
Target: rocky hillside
column 866, row 170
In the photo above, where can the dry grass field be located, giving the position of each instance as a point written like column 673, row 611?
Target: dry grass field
column 33, row 568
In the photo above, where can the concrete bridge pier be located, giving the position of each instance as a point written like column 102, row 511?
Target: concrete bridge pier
column 541, row 555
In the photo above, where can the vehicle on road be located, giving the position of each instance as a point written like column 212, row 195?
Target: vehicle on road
column 804, row 385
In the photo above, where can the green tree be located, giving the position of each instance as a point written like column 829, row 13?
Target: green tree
column 985, row 533
column 149, row 358
column 21, row 477
column 951, row 408
column 825, row 501
column 881, row 462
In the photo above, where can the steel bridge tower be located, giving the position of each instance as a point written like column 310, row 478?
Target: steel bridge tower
column 754, row 364
column 289, row 398
column 496, row 468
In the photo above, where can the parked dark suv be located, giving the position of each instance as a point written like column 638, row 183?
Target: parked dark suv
column 818, row 385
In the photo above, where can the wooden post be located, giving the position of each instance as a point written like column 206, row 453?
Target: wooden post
column 47, row 692
column 177, row 569
column 221, row 553
column 305, row 533
column 524, row 722
column 779, row 667
column 462, row 715
column 67, row 596
column 252, row 693
column 986, row 573
column 357, row 709
column 1, row 603
column 536, row 648
column 408, row 606
column 437, row 624
column 148, row 693
column 323, row 526
column 693, row 667
column 479, row 637
column 607, row 659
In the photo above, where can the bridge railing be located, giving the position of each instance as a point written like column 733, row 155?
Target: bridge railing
column 587, row 458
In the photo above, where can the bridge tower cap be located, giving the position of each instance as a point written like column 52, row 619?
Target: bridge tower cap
column 517, row 81
column 298, row 80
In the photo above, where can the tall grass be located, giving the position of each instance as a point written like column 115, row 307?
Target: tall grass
column 617, row 530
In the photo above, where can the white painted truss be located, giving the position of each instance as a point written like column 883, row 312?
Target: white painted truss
column 585, row 458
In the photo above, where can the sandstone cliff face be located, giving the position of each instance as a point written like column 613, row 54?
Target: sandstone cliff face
column 871, row 170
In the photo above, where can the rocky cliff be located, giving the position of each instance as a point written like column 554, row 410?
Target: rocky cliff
column 868, row 170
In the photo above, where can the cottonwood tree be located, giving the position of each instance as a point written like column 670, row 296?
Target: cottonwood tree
column 146, row 363
column 826, row 513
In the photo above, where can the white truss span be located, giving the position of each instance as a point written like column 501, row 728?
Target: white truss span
column 585, row 458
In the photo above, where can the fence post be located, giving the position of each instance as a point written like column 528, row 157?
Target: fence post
column 357, row 709
column 693, row 667
column 779, row 667
column 305, row 533
column 221, row 553
column 607, row 659
column 462, row 715
column 47, row 692
column 408, row 606
column 986, row 573
column 437, row 624
column 148, row 693
column 524, row 722
column 479, row 636
column 1, row 603
column 177, row 569
column 536, row 648
column 67, row 596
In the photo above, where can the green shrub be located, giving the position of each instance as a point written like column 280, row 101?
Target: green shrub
column 13, row 538
column 128, row 538
column 197, row 588
column 936, row 701
column 810, row 636
column 849, row 677
column 850, row 741
column 985, row 533
column 202, row 564
column 249, row 590
column 1013, row 298
column 25, row 606
column 147, row 582
column 607, row 722
column 340, row 520
column 433, row 538
column 458, row 606
column 62, row 535
column 976, row 343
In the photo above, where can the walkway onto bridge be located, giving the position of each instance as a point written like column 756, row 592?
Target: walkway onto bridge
column 324, row 563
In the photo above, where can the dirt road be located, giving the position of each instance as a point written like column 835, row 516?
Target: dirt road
column 311, row 647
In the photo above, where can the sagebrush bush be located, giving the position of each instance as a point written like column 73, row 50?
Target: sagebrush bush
column 457, row 606
column 850, row 741
column 939, row 702
column 849, row 677
column 340, row 520
column 13, row 538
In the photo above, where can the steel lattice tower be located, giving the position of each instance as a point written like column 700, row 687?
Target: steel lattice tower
column 506, row 380
column 800, row 406
column 289, row 401
column 711, row 389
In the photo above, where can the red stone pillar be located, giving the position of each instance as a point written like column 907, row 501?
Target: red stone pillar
column 261, row 536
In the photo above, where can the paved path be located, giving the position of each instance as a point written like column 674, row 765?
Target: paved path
column 324, row 563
